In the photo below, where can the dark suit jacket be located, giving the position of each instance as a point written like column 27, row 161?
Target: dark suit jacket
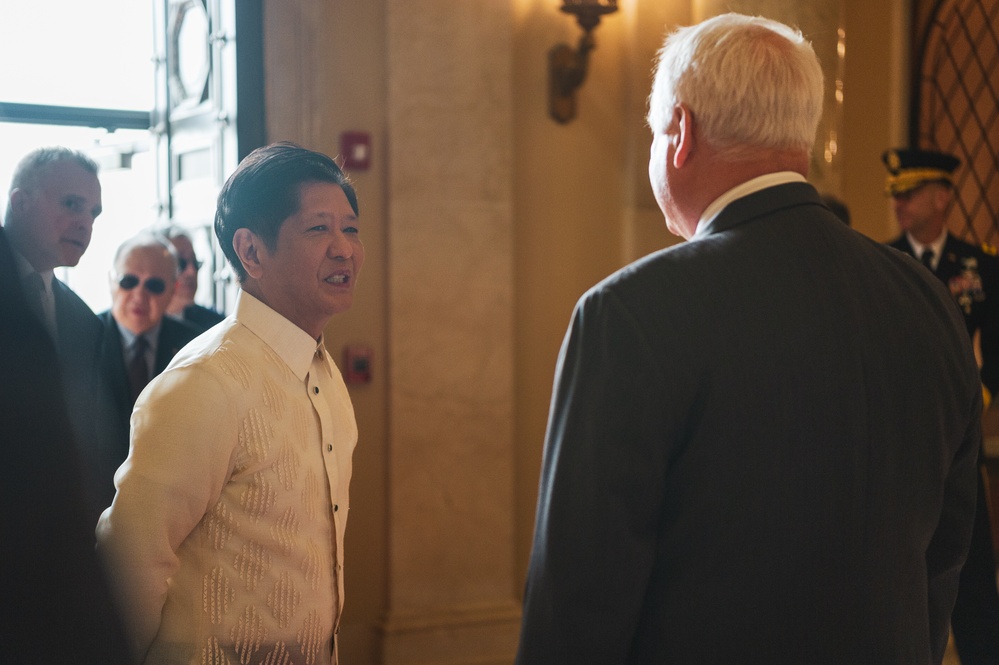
column 980, row 306
column 79, row 333
column 172, row 338
column 202, row 318
column 56, row 604
column 78, row 341
column 745, row 463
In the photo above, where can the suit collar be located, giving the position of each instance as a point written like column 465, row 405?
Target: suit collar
column 152, row 336
column 758, row 204
column 905, row 244
column 937, row 245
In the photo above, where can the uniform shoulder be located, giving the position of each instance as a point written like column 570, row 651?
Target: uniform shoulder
column 986, row 253
column 898, row 243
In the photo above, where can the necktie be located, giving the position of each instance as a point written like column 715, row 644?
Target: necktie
column 138, row 369
column 34, row 290
column 927, row 258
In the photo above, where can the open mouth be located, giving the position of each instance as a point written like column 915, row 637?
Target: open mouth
column 338, row 279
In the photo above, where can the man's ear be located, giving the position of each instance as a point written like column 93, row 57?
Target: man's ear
column 248, row 246
column 18, row 198
column 683, row 119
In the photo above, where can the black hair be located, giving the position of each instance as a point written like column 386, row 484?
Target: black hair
column 264, row 191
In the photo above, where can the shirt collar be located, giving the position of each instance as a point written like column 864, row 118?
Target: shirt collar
column 24, row 269
column 128, row 338
column 745, row 189
column 936, row 245
column 292, row 344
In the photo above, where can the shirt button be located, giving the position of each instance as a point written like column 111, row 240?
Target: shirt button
column 336, row 507
column 329, row 447
column 316, row 390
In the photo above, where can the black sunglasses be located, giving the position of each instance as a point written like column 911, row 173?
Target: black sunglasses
column 154, row 285
column 183, row 263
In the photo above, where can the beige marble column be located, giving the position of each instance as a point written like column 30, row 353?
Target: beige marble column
column 450, row 131
column 821, row 21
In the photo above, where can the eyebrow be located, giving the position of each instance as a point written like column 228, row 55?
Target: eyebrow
column 79, row 198
column 326, row 215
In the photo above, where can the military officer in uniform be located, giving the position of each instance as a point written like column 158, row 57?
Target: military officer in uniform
column 920, row 184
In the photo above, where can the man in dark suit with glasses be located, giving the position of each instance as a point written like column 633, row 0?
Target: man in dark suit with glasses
column 182, row 305
column 139, row 341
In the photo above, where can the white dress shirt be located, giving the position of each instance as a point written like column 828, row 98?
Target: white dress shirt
column 937, row 246
column 226, row 532
column 128, row 349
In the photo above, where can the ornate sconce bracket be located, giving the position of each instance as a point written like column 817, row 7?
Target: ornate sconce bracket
column 567, row 66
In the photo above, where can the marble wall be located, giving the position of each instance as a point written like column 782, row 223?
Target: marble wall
column 450, row 343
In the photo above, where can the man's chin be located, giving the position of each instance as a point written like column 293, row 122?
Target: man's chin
column 71, row 259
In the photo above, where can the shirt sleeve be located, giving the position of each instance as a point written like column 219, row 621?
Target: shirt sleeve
column 181, row 453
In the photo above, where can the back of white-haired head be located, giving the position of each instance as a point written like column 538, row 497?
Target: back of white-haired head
column 749, row 82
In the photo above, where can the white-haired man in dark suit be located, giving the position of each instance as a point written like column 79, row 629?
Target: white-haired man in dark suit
column 762, row 441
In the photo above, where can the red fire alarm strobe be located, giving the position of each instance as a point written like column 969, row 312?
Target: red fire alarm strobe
column 355, row 148
column 357, row 363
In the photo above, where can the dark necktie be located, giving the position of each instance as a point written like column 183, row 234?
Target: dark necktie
column 138, row 369
column 927, row 258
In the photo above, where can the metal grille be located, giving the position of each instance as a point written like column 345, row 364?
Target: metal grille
column 958, row 109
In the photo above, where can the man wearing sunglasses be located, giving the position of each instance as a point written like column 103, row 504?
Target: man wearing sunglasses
column 139, row 340
column 182, row 305
column 228, row 525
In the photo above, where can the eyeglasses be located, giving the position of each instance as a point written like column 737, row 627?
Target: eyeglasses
column 183, row 263
column 153, row 285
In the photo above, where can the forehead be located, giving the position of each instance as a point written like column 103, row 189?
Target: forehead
column 146, row 261
column 183, row 245
column 321, row 198
column 69, row 178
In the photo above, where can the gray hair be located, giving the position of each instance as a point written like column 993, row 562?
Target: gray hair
column 749, row 82
column 175, row 231
column 31, row 165
column 142, row 241
column 27, row 170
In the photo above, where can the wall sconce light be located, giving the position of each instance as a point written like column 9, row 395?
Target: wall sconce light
column 567, row 65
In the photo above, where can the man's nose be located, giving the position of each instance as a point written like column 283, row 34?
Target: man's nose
column 341, row 247
column 85, row 220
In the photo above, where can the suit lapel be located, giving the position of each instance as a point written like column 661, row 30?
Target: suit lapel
column 166, row 346
column 112, row 356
